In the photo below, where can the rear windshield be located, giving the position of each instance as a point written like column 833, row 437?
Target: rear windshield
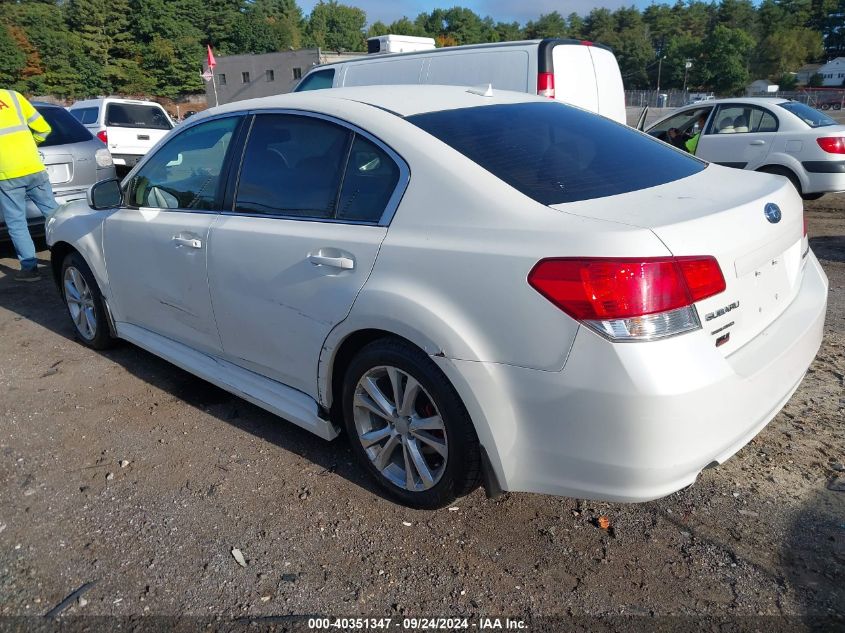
column 64, row 128
column 86, row 116
column 136, row 115
column 810, row 116
column 555, row 153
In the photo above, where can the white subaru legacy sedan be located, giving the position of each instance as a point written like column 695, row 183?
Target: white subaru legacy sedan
column 477, row 286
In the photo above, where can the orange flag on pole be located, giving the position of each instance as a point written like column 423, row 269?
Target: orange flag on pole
column 211, row 62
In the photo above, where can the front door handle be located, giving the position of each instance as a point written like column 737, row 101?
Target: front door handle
column 344, row 263
column 190, row 242
column 757, row 142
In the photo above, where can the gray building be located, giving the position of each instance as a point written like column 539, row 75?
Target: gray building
column 240, row 77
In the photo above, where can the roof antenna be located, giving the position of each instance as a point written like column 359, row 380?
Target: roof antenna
column 482, row 90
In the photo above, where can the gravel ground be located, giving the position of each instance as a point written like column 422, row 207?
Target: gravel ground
column 122, row 469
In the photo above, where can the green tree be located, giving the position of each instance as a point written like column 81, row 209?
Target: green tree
column 787, row 50
column 336, row 27
column 12, row 58
column 548, row 25
column 725, row 65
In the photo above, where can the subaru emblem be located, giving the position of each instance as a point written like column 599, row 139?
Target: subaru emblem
column 772, row 212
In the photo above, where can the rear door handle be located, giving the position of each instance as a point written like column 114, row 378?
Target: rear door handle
column 344, row 263
column 757, row 143
column 190, row 242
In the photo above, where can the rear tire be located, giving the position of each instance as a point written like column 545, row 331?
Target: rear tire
column 85, row 303
column 408, row 427
column 786, row 173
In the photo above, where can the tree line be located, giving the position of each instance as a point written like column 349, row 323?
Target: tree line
column 79, row 48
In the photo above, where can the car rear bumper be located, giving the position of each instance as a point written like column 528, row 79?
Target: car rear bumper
column 127, row 160
column 636, row 422
column 824, row 176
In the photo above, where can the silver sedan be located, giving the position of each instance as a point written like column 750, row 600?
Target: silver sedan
column 74, row 159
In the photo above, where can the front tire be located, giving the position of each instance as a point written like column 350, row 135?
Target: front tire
column 408, row 427
column 85, row 303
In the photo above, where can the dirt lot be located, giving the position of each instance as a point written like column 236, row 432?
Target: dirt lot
column 121, row 469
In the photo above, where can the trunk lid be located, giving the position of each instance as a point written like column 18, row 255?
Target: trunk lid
column 722, row 212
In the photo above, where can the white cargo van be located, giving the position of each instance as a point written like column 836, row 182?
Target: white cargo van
column 582, row 73
column 128, row 127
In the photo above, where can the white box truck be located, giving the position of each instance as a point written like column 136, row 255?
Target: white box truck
column 578, row 72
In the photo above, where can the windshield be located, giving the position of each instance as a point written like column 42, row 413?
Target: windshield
column 810, row 116
column 555, row 153
column 64, row 128
column 137, row 115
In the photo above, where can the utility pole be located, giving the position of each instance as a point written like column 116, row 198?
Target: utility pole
column 659, row 70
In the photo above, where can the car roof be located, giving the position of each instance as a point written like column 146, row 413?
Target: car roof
column 749, row 100
column 398, row 99
column 85, row 103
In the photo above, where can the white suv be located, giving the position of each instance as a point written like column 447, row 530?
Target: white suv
column 130, row 128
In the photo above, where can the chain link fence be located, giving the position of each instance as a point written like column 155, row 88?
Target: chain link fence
column 654, row 99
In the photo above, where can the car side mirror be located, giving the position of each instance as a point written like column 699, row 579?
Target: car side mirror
column 105, row 194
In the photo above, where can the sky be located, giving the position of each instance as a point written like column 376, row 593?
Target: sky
column 500, row 10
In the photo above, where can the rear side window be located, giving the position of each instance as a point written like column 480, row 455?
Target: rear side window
column 86, row 116
column 810, row 116
column 293, row 166
column 64, row 128
column 317, row 81
column 555, row 153
column 369, row 181
column 136, row 116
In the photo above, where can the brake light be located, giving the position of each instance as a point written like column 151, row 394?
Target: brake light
column 546, row 85
column 630, row 299
column 103, row 135
column 832, row 144
column 586, row 43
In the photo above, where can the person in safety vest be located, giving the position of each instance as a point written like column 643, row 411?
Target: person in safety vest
column 692, row 144
column 22, row 175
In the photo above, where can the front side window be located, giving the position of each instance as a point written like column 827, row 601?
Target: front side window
column 86, row 116
column 554, row 153
column 685, row 122
column 185, row 172
column 317, row 81
column 293, row 166
column 743, row 119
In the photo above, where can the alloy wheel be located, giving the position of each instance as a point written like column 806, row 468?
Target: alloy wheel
column 400, row 428
column 80, row 303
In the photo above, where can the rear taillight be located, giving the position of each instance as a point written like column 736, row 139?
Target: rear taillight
column 546, row 85
column 832, row 144
column 103, row 158
column 103, row 135
column 630, row 299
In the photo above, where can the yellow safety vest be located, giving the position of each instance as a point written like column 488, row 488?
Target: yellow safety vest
column 18, row 151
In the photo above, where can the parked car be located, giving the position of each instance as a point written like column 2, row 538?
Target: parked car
column 471, row 285
column 74, row 160
column 578, row 72
column 130, row 128
column 776, row 136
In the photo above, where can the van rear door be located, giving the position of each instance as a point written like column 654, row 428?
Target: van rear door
column 586, row 75
column 609, row 87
